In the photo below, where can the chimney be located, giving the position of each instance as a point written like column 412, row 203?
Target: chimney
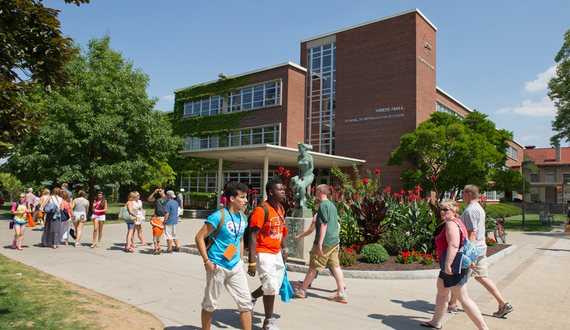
column 529, row 147
column 558, row 154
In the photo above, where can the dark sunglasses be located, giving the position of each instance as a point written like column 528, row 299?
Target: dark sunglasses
column 443, row 210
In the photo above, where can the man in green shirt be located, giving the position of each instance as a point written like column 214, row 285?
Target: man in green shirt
column 324, row 253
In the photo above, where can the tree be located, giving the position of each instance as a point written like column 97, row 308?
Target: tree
column 100, row 129
column 11, row 185
column 33, row 54
column 447, row 153
column 559, row 92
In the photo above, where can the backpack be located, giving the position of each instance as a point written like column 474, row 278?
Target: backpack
column 247, row 229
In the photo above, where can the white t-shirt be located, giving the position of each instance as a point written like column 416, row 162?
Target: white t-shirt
column 474, row 219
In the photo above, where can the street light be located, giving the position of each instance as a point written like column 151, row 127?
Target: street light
column 528, row 162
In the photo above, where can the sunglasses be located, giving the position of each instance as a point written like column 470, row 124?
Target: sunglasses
column 22, row 196
column 443, row 210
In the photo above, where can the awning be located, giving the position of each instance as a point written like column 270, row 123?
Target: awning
column 266, row 154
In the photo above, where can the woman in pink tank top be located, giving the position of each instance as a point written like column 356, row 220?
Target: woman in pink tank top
column 99, row 210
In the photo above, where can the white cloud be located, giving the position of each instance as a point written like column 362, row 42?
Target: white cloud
column 541, row 82
column 529, row 137
column 530, row 108
column 168, row 97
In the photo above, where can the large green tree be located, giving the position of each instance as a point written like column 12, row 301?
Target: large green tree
column 559, row 92
column 447, row 152
column 100, row 129
column 33, row 54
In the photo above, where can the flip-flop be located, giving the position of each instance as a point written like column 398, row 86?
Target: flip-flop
column 428, row 325
column 129, row 250
column 92, row 246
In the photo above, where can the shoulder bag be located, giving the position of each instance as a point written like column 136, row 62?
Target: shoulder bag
column 468, row 250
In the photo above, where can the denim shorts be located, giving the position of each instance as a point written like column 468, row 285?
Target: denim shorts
column 130, row 225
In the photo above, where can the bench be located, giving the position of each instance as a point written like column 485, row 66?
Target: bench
column 546, row 218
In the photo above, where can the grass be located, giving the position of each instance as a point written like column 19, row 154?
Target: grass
column 37, row 300
column 532, row 222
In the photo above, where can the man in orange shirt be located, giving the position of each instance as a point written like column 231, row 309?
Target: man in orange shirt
column 267, row 237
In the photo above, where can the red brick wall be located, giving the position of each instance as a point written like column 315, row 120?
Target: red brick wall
column 451, row 103
column 425, row 70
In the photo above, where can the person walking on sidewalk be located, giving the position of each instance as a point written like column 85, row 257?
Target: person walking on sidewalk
column 268, row 248
column 224, row 260
column 324, row 253
column 170, row 222
column 474, row 219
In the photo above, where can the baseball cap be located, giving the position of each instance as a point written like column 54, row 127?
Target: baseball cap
column 181, row 189
column 171, row 193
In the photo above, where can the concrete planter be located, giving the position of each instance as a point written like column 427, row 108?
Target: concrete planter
column 193, row 214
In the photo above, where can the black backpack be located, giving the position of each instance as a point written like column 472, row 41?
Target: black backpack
column 266, row 210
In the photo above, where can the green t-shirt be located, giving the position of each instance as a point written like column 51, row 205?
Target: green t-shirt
column 327, row 214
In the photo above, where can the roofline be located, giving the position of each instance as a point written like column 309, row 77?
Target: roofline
column 453, row 98
column 415, row 10
column 520, row 145
column 297, row 66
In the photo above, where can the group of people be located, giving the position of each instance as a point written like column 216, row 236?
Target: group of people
column 221, row 246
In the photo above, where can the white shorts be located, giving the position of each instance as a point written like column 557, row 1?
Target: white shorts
column 99, row 217
column 235, row 282
column 271, row 271
column 170, row 232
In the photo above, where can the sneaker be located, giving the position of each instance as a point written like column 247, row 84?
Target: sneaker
column 168, row 251
column 176, row 249
column 19, row 248
column 453, row 310
column 300, row 283
column 269, row 324
column 14, row 246
column 339, row 298
column 299, row 293
column 503, row 310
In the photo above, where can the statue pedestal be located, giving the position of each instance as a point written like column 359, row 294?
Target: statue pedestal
column 301, row 213
column 299, row 250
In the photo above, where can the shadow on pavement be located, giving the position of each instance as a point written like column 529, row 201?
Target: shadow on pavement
column 399, row 322
column 416, row 305
column 226, row 318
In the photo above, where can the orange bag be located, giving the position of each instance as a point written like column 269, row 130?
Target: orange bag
column 31, row 222
column 39, row 215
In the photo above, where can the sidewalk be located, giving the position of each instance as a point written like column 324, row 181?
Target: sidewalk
column 533, row 279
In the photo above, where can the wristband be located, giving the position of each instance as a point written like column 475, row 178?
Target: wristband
column 251, row 264
column 205, row 261
column 285, row 250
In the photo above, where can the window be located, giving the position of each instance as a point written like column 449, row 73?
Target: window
column 320, row 115
column 565, row 178
column 204, row 142
column 205, row 107
column 549, row 177
column 534, row 197
column 250, row 136
column 255, row 97
column 443, row 108
column 534, row 177
column 512, row 152
column 209, row 182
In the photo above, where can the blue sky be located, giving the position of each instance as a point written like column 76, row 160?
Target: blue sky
column 493, row 56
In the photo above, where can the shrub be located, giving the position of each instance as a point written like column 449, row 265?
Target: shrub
column 374, row 253
column 505, row 199
column 427, row 259
column 398, row 240
column 494, row 210
column 347, row 257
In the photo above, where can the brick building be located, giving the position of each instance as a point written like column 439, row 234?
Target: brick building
column 551, row 183
column 355, row 93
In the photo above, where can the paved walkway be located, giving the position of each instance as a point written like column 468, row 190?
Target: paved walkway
column 534, row 279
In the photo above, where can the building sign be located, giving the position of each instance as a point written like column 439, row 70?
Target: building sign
column 380, row 110
column 426, row 63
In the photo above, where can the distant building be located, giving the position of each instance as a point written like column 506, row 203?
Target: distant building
column 551, row 184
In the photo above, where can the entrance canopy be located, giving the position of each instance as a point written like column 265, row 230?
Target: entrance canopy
column 266, row 154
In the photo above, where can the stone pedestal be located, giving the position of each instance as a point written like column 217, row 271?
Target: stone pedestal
column 302, row 213
column 299, row 250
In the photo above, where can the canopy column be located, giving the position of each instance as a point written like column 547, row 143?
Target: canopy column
column 220, row 182
column 265, row 174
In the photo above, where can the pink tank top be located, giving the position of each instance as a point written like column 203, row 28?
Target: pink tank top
column 98, row 207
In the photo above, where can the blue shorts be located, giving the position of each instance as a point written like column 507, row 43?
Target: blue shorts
column 454, row 279
column 23, row 224
column 130, row 225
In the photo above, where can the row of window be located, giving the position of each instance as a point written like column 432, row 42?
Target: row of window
column 491, row 195
column 549, row 177
column 209, row 182
column 443, row 108
column 254, row 97
column 242, row 137
column 512, row 152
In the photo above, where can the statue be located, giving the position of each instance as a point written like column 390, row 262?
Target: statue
column 299, row 183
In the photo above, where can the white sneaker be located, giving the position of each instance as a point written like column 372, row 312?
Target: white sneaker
column 269, row 324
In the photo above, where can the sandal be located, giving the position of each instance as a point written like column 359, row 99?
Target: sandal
column 429, row 325
column 144, row 244
column 134, row 246
column 129, row 250
column 92, row 246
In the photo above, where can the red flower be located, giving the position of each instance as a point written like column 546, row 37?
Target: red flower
column 281, row 169
column 396, row 195
column 372, row 194
column 287, row 173
column 332, row 188
column 387, row 190
column 402, row 192
column 365, row 181
column 377, row 171
column 409, row 192
column 405, row 258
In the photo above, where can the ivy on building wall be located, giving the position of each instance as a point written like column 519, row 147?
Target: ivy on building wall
column 220, row 124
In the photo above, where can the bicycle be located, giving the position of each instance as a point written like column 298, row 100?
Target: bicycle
column 498, row 230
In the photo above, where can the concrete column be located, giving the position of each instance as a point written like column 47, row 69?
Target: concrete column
column 265, row 174
column 220, row 181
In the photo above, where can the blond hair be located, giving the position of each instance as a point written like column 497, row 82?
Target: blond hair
column 451, row 204
column 324, row 188
column 132, row 195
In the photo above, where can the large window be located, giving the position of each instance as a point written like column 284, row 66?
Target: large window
column 513, row 153
column 242, row 137
column 320, row 116
column 534, row 177
column 205, row 107
column 444, row 108
column 255, row 97
column 549, row 177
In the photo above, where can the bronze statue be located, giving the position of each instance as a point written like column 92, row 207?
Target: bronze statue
column 299, row 183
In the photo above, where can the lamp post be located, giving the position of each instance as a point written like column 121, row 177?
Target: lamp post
column 528, row 162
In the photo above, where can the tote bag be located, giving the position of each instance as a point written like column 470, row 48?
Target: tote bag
column 468, row 250
column 286, row 291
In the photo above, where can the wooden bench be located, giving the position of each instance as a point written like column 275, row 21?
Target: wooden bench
column 546, row 218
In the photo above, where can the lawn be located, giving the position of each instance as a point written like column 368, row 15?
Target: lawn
column 532, row 222
column 32, row 299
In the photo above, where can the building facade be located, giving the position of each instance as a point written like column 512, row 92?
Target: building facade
column 551, row 183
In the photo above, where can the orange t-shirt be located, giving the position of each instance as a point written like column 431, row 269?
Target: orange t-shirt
column 156, row 231
column 269, row 237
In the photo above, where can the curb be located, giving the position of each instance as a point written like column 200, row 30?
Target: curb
column 382, row 275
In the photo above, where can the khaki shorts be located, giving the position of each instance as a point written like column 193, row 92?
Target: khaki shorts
column 235, row 282
column 170, row 232
column 481, row 268
column 329, row 259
